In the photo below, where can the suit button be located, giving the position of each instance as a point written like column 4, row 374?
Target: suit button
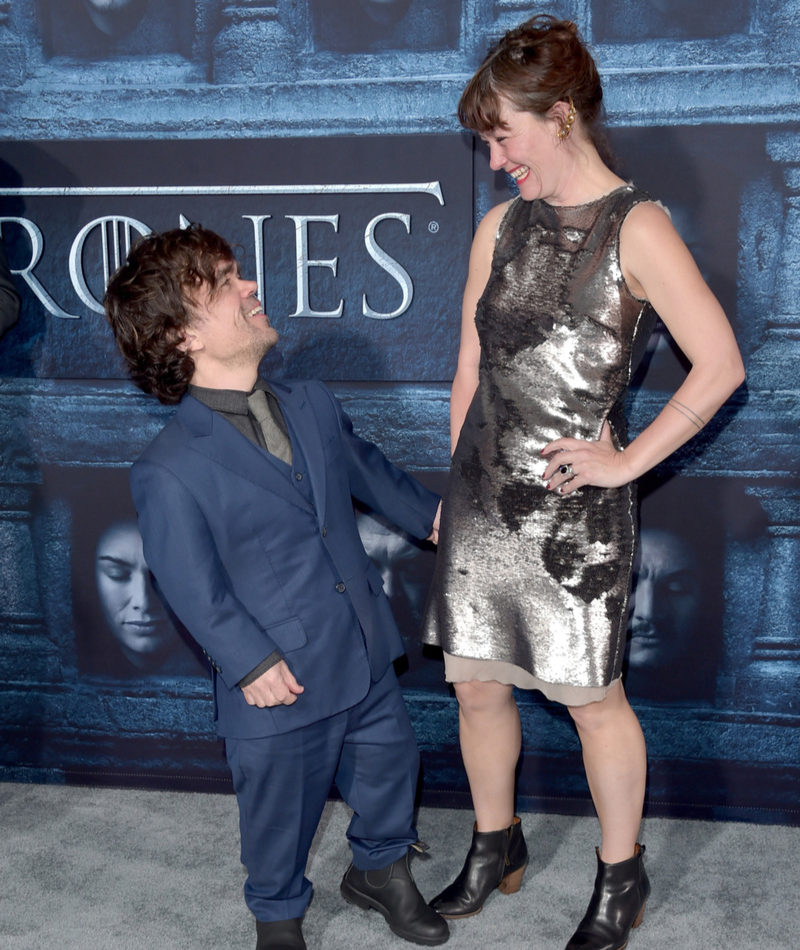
column 340, row 587
column 324, row 532
column 299, row 476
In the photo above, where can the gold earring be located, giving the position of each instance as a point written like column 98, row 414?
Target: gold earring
column 566, row 128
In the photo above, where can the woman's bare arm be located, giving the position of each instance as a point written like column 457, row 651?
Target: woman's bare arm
column 658, row 266
column 469, row 354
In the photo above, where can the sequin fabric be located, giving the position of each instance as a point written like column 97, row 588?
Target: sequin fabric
column 523, row 574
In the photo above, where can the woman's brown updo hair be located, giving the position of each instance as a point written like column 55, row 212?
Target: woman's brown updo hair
column 534, row 66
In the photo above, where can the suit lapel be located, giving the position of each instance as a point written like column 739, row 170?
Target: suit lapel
column 304, row 428
column 216, row 439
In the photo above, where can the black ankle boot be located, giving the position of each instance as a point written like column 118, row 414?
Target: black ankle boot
column 280, row 935
column 392, row 891
column 617, row 905
column 496, row 859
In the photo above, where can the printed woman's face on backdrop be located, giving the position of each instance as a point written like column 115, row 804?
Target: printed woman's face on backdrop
column 131, row 607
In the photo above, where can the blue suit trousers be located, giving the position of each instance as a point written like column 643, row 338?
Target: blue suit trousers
column 282, row 783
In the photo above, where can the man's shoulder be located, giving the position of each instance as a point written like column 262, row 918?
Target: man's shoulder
column 191, row 419
column 297, row 387
column 294, row 393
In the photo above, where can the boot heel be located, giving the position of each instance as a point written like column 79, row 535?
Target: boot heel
column 616, row 905
column 511, row 883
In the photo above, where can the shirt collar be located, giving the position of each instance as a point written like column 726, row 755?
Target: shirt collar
column 227, row 400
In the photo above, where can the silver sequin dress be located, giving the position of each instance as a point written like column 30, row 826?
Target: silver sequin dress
column 525, row 575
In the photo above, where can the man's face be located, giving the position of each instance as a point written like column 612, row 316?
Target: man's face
column 229, row 330
column 665, row 602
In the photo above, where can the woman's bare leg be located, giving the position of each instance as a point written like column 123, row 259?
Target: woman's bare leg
column 491, row 740
column 615, row 759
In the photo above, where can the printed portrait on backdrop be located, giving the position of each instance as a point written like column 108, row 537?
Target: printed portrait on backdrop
column 674, row 648
column 97, row 29
column 406, row 566
column 674, row 19
column 122, row 626
column 361, row 26
column 670, row 655
column 9, row 295
column 134, row 615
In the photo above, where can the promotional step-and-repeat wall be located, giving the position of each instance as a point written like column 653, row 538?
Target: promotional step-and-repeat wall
column 320, row 138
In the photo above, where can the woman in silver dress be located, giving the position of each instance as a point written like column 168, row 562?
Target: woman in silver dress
column 538, row 528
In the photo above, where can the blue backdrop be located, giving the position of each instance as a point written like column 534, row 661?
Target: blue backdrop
column 321, row 137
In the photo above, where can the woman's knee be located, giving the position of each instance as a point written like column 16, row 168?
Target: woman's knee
column 605, row 712
column 479, row 698
column 598, row 714
column 587, row 719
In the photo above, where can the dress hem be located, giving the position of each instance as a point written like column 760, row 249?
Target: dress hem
column 462, row 669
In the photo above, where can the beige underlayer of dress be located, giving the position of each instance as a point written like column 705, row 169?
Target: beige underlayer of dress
column 463, row 669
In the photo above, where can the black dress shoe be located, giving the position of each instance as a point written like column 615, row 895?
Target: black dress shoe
column 280, row 934
column 392, row 891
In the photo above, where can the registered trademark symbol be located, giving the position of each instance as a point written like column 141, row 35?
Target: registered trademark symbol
column 433, row 227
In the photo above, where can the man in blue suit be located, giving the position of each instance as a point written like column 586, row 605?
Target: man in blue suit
column 246, row 514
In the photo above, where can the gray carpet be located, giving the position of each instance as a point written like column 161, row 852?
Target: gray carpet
column 107, row 869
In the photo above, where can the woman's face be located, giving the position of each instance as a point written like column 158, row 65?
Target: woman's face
column 131, row 607
column 527, row 147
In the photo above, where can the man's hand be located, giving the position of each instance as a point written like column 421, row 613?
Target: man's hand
column 276, row 687
column 434, row 535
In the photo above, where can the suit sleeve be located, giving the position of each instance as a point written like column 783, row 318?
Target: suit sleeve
column 9, row 298
column 383, row 486
column 180, row 551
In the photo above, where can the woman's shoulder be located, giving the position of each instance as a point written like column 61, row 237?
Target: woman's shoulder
column 648, row 240
column 488, row 230
column 646, row 216
column 491, row 224
column 495, row 216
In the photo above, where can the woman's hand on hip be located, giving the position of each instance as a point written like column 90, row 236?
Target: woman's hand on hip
column 576, row 462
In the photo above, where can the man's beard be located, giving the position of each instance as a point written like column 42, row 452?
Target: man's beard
column 259, row 347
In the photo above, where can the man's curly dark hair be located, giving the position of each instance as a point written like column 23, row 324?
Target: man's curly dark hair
column 148, row 304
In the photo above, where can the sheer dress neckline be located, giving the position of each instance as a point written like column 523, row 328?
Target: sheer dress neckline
column 585, row 204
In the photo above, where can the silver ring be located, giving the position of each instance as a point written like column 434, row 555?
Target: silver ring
column 565, row 469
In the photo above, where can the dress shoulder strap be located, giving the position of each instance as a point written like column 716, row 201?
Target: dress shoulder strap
column 506, row 216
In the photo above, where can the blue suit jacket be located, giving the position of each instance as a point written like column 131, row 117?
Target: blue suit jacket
column 250, row 566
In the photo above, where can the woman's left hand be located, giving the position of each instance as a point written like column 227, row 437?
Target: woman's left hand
column 576, row 462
